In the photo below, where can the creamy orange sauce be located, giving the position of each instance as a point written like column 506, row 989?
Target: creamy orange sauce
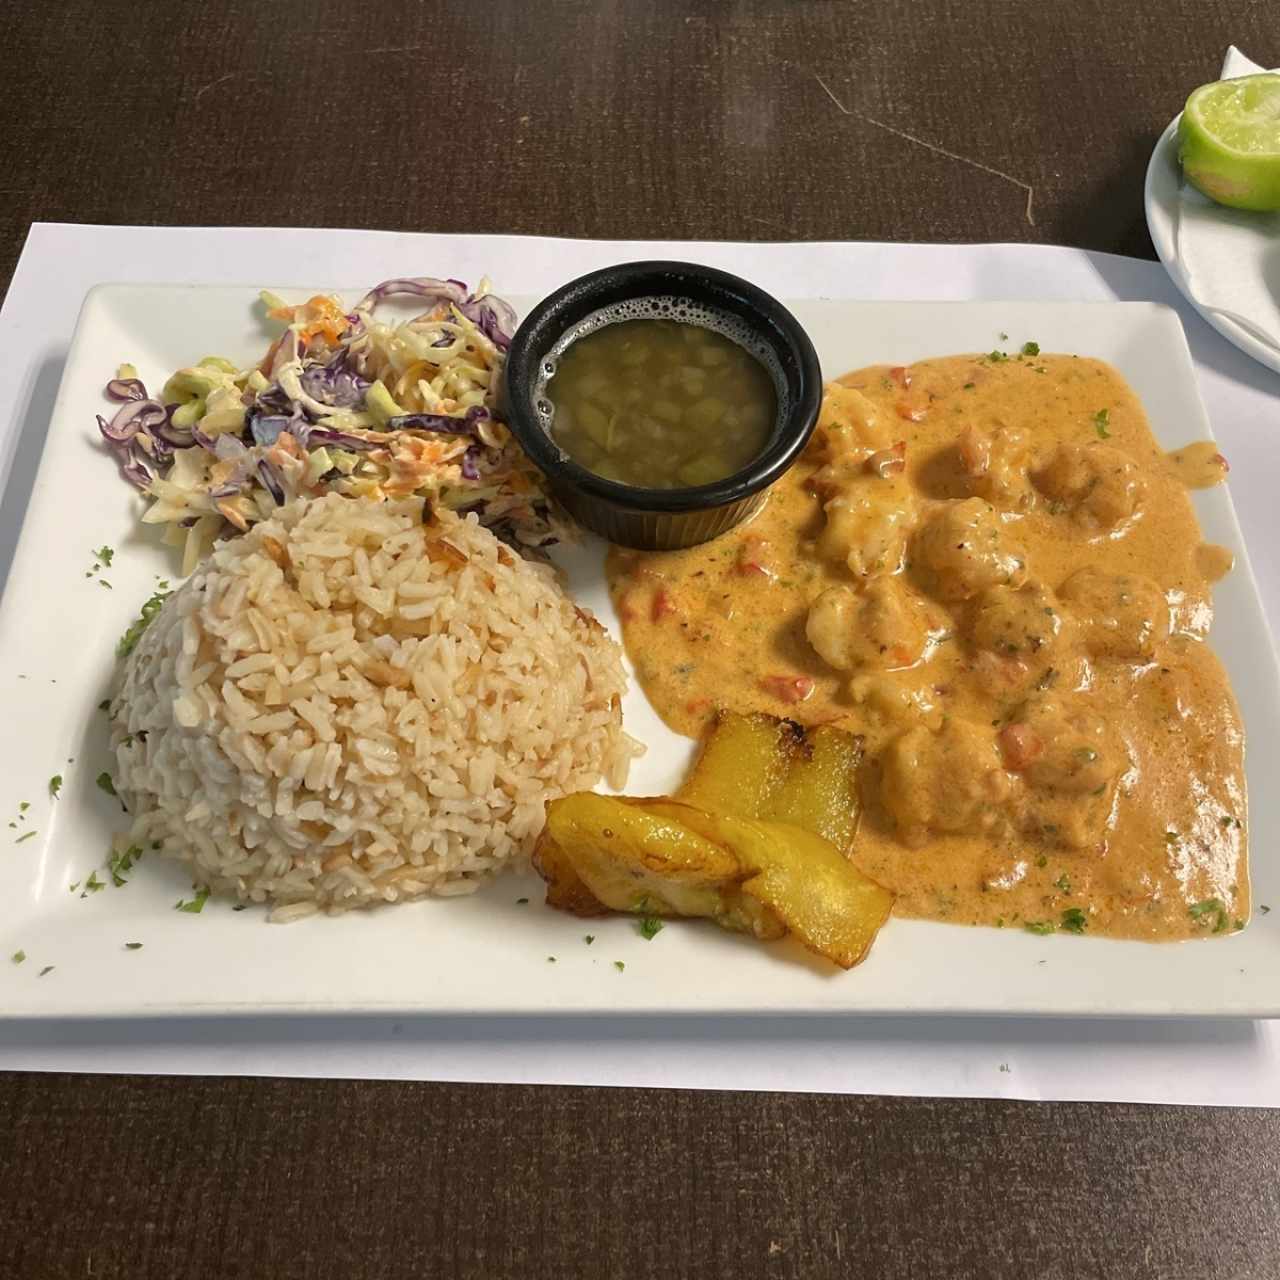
column 992, row 572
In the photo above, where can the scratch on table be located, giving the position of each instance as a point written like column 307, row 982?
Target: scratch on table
column 937, row 150
column 213, row 84
column 769, row 222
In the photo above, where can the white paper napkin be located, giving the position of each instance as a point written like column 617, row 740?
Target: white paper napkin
column 1231, row 258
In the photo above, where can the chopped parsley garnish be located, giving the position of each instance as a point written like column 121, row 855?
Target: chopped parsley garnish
column 1039, row 926
column 24, row 805
column 520, row 902
column 1266, row 911
column 145, row 617
column 18, row 957
column 119, row 863
column 196, row 905
column 650, row 927
column 28, row 836
column 105, row 783
column 55, row 785
column 1004, row 337
column 241, row 906
column 106, row 555
column 133, row 946
column 1074, row 920
column 1042, row 861
column 105, row 705
column 1030, row 348
column 47, row 969
column 1228, row 822
column 1101, row 423
column 588, row 938
column 1063, row 883
column 102, row 582
column 617, row 964
column 1198, row 909
column 1210, row 909
column 92, row 885
column 969, row 386
column 997, row 357
column 551, row 959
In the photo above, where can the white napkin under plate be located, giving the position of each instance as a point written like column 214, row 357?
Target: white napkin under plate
column 1230, row 258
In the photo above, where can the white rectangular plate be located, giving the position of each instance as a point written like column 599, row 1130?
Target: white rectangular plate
column 491, row 952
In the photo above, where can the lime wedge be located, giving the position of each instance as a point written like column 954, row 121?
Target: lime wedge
column 1229, row 141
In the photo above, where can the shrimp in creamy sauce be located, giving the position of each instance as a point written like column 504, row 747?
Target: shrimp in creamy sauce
column 991, row 571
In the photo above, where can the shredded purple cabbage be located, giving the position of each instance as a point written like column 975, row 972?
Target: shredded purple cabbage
column 335, row 383
column 415, row 287
column 493, row 317
column 444, row 423
column 340, row 439
column 271, row 479
column 131, row 418
column 126, row 389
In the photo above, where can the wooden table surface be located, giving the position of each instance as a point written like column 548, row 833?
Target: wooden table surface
column 716, row 119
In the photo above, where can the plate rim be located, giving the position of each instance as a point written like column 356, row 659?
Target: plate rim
column 343, row 1006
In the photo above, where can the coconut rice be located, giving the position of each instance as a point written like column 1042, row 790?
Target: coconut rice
column 349, row 706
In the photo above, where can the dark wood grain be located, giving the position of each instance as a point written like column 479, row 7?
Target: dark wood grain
column 762, row 119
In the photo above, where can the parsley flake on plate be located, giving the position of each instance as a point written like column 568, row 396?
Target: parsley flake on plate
column 18, row 957
column 145, row 617
column 55, row 785
column 650, row 927
column 1101, row 423
column 196, row 905
column 1074, row 920
column 105, row 784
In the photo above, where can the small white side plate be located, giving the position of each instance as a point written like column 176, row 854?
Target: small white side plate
column 491, row 952
column 1162, row 195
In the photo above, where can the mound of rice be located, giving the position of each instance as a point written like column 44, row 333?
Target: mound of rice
column 347, row 706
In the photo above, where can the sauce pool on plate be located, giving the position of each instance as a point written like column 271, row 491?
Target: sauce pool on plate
column 991, row 571
column 660, row 404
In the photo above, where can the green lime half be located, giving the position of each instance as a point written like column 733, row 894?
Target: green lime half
column 1229, row 141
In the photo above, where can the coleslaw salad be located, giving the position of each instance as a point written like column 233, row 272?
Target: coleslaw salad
column 342, row 402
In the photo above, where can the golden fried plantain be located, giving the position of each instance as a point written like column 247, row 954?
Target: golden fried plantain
column 566, row 890
column 742, row 762
column 820, row 790
column 632, row 858
column 798, row 877
column 757, row 766
column 757, row 840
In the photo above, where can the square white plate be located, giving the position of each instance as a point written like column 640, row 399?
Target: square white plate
column 490, row 952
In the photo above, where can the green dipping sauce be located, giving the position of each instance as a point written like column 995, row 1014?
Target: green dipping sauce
column 661, row 404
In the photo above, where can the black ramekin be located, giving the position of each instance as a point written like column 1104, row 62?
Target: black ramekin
column 663, row 519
